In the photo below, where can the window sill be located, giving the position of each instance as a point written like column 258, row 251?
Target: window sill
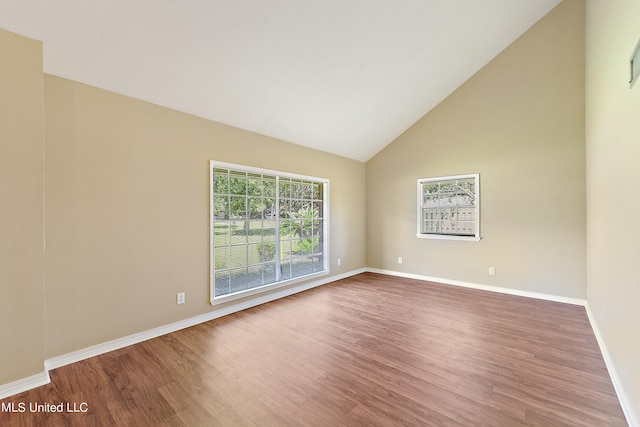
column 448, row 237
column 266, row 288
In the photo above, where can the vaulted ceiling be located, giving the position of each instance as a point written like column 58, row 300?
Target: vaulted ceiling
column 343, row 76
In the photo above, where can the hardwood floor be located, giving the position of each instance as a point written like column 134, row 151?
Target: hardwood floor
column 370, row 350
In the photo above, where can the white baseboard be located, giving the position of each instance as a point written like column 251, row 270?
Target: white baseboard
column 24, row 384
column 537, row 295
column 632, row 418
column 38, row 380
column 118, row 343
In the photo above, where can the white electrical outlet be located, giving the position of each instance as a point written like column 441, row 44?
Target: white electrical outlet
column 180, row 298
column 399, row 260
column 339, row 261
column 492, row 271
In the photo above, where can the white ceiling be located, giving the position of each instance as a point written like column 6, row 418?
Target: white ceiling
column 343, row 76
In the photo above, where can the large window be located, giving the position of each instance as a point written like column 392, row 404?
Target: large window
column 268, row 229
column 449, row 207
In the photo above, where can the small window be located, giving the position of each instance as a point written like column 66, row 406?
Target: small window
column 268, row 229
column 449, row 207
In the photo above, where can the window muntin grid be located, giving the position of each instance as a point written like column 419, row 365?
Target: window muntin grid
column 448, row 207
column 267, row 228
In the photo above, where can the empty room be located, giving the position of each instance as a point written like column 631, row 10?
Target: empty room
column 311, row 213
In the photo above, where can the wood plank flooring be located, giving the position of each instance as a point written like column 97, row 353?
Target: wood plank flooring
column 370, row 350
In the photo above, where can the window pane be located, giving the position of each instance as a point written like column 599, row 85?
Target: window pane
column 238, row 182
column 269, row 231
column 285, row 229
column 296, row 207
column 297, row 189
column 221, row 233
column 239, row 232
column 221, row 181
column 285, row 211
column 285, row 269
column 222, row 283
column 254, row 234
column 238, row 280
column 254, row 184
column 220, row 207
column 300, row 228
column 285, row 188
column 255, row 207
column 305, row 246
column 317, row 263
column 267, row 251
column 254, row 276
column 301, row 266
column 238, row 256
column 253, row 253
column 308, row 190
column 269, row 273
column 238, row 207
column 285, row 249
column 269, row 206
column 269, row 186
column 306, row 206
column 221, row 258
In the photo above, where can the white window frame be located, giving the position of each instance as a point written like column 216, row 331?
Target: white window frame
column 213, row 164
column 420, row 233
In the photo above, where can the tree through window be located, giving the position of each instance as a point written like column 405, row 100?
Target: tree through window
column 267, row 228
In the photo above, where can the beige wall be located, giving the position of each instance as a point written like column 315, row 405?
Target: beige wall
column 613, row 174
column 127, row 212
column 21, row 208
column 519, row 123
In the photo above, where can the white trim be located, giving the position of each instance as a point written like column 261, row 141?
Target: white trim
column 448, row 237
column 24, row 384
column 420, row 234
column 263, row 171
column 118, row 343
column 632, row 418
column 41, row 379
column 214, row 164
column 490, row 288
column 262, row 289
